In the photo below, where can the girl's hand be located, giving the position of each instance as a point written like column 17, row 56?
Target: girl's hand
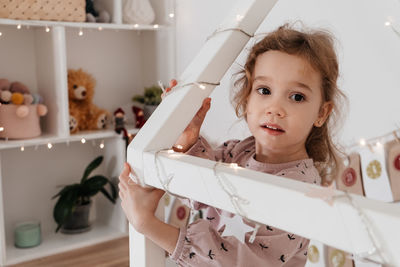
column 190, row 135
column 139, row 204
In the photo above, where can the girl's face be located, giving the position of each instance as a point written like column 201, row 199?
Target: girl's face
column 284, row 104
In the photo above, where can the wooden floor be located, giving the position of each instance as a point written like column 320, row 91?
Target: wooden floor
column 107, row 254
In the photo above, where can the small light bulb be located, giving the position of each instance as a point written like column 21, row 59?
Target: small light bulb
column 83, row 140
column 234, row 165
column 49, row 145
column 387, row 23
column 1, row 33
column 362, row 142
column 378, row 144
column 1, row 129
column 136, row 25
column 47, row 29
column 202, row 86
column 22, row 148
column 80, row 33
column 155, row 26
column 101, row 145
column 100, row 28
column 19, row 26
column 170, row 151
column 171, row 15
column 179, row 147
column 239, row 17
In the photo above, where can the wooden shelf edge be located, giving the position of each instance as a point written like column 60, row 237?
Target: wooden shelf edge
column 53, row 139
column 83, row 25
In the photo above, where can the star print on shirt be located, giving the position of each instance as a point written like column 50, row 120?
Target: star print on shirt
column 269, row 228
column 210, row 218
column 187, row 240
column 262, row 246
column 291, row 237
column 210, row 254
column 282, row 258
column 223, row 247
column 236, row 227
column 192, row 254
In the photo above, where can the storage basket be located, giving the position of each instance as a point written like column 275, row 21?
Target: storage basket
column 15, row 127
column 59, row 10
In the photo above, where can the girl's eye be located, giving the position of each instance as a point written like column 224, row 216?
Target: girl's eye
column 297, row 97
column 264, row 91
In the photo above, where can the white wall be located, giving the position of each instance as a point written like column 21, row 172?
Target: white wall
column 369, row 55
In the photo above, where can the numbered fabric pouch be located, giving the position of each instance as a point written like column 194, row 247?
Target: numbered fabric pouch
column 316, row 254
column 349, row 175
column 375, row 179
column 393, row 164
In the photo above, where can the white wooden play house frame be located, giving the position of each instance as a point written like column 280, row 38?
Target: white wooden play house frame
column 339, row 225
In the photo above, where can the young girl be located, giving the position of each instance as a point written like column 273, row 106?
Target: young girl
column 288, row 94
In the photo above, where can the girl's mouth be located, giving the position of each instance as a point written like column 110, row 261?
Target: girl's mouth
column 272, row 129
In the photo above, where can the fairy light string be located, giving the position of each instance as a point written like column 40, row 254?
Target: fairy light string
column 376, row 246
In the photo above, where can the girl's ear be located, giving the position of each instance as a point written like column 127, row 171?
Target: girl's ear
column 324, row 112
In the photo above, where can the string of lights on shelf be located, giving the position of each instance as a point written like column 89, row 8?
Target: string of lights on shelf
column 47, row 28
column 50, row 144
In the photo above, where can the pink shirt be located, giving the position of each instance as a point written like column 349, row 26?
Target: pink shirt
column 201, row 244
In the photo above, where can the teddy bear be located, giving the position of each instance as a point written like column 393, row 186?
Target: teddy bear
column 84, row 114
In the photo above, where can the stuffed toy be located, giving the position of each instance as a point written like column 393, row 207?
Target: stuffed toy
column 119, row 121
column 95, row 13
column 140, row 119
column 84, row 115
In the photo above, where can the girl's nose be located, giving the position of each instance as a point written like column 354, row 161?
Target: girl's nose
column 275, row 109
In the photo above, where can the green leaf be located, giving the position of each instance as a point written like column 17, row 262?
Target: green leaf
column 107, row 195
column 138, row 98
column 63, row 191
column 113, row 191
column 93, row 185
column 93, row 165
column 64, row 207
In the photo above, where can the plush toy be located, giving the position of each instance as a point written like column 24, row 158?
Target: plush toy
column 140, row 120
column 119, row 121
column 5, row 94
column 95, row 12
column 84, row 115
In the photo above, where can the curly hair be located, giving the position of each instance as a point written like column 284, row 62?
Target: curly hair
column 317, row 48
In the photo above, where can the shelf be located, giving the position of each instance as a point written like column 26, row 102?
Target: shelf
column 53, row 243
column 83, row 25
column 44, row 139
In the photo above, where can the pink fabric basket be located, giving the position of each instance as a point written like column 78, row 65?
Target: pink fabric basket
column 16, row 127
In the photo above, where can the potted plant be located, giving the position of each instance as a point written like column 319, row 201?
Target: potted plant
column 150, row 99
column 71, row 211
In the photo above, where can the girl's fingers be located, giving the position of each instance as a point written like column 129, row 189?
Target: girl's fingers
column 173, row 83
column 121, row 187
column 201, row 114
column 124, row 176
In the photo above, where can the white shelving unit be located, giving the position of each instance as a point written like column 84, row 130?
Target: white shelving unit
column 123, row 59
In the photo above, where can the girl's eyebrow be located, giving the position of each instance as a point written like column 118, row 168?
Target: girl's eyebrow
column 296, row 83
column 302, row 85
